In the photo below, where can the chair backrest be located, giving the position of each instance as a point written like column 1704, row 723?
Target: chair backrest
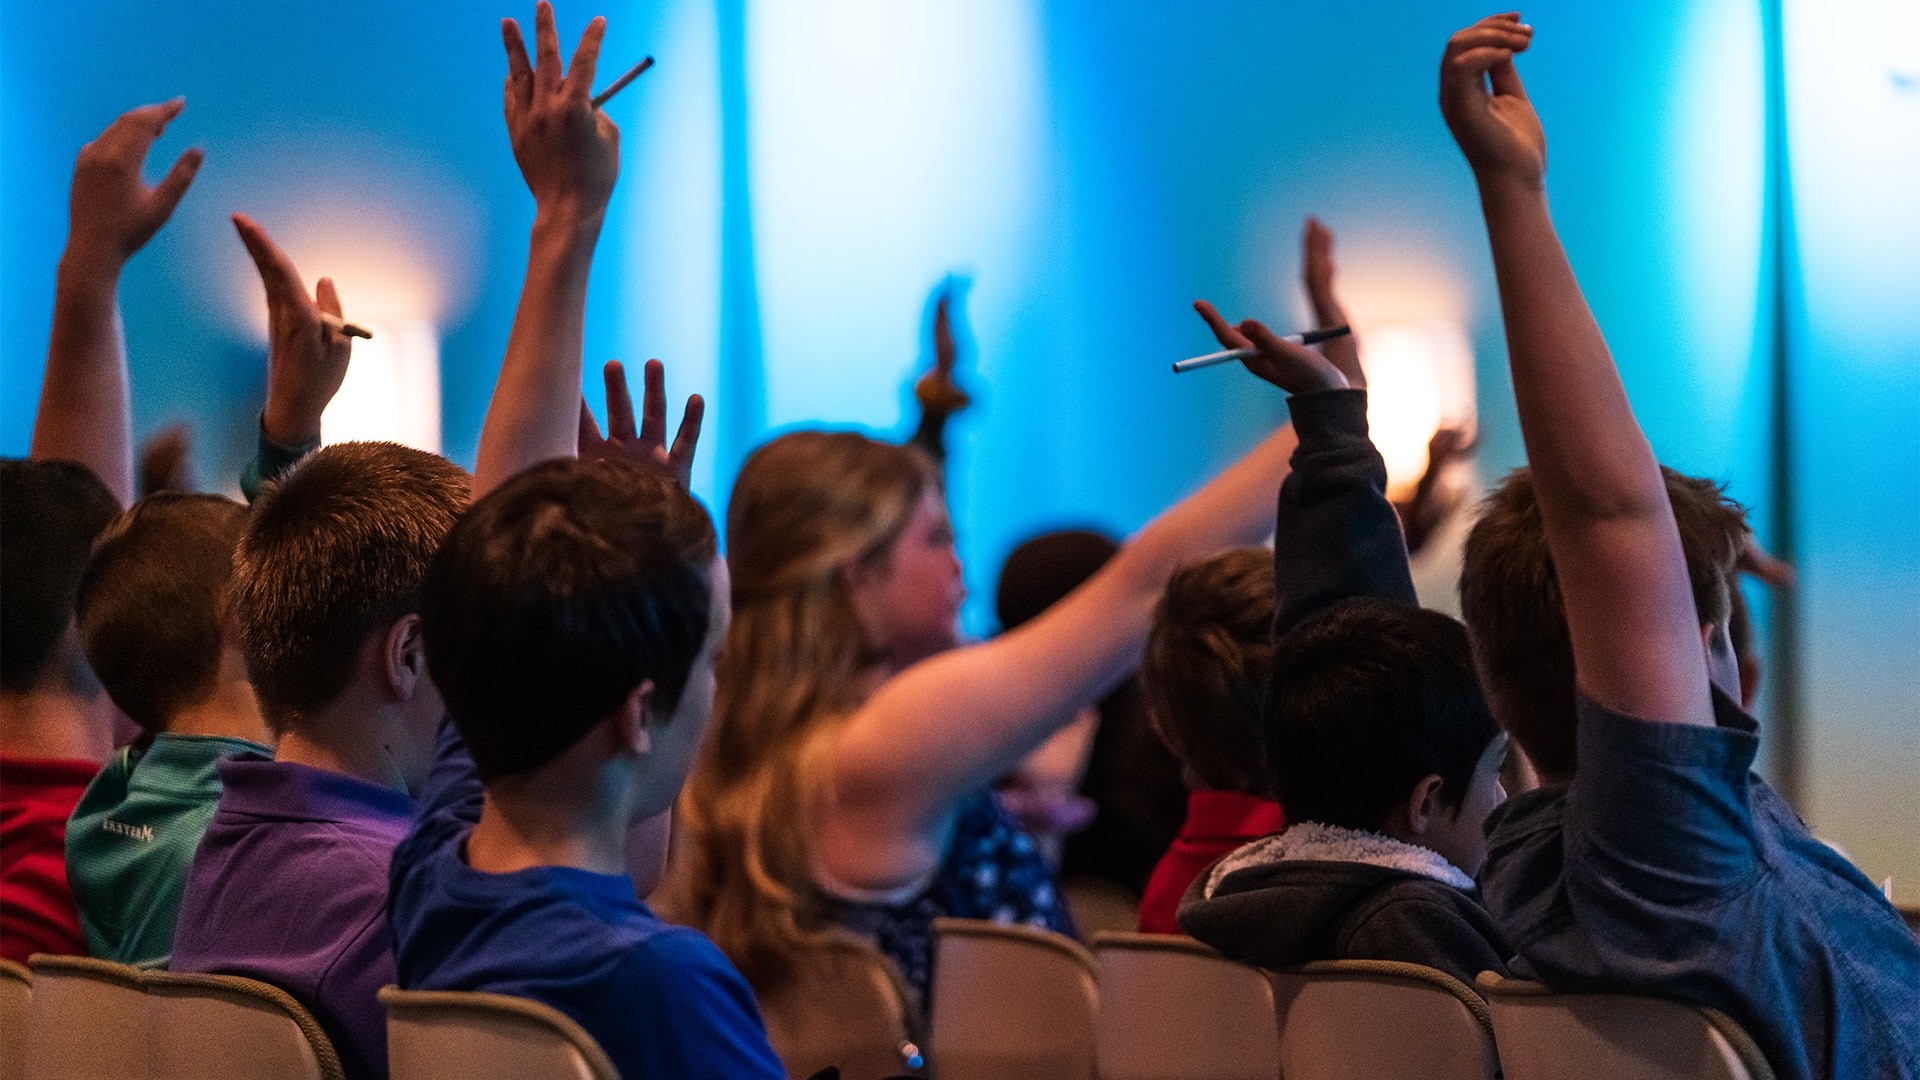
column 449, row 1035
column 1172, row 1009
column 88, row 1020
column 1011, row 1001
column 1380, row 1020
column 225, row 1025
column 16, row 998
column 846, row 1005
column 1581, row 1036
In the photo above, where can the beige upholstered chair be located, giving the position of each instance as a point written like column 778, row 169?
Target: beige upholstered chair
column 447, row 1035
column 88, row 1020
column 227, row 1026
column 1011, row 1002
column 1173, row 1009
column 16, row 997
column 1380, row 1020
column 1549, row 1036
column 1100, row 906
column 845, row 1006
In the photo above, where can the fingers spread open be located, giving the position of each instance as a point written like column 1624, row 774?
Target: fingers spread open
column 519, row 70
column 586, row 58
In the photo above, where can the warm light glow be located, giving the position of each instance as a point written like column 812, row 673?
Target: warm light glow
column 392, row 391
column 1419, row 379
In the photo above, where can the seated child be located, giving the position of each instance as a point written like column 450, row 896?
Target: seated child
column 1651, row 859
column 158, row 631
column 289, row 884
column 1205, row 676
column 1381, row 750
column 571, row 622
column 55, row 722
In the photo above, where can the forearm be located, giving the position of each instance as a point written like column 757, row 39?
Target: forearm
column 1233, row 509
column 1336, row 536
column 85, row 411
column 535, row 410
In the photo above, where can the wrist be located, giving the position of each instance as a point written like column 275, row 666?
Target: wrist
column 568, row 221
column 289, row 426
column 88, row 266
column 1505, row 187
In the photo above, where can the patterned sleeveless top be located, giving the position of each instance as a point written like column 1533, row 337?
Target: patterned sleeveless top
column 992, row 871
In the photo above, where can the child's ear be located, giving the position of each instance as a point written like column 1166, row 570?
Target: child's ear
column 403, row 655
column 634, row 722
column 1422, row 808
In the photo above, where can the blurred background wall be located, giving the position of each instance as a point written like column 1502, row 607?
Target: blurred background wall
column 797, row 177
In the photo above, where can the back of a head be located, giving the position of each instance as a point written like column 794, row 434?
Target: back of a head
column 153, row 603
column 1510, row 599
column 555, row 597
column 1208, row 661
column 1368, row 698
column 1040, row 571
column 50, row 513
column 332, row 553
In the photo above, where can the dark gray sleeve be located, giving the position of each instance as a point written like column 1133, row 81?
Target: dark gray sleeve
column 270, row 462
column 1336, row 535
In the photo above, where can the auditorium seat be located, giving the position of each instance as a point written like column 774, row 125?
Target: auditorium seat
column 846, row 1006
column 446, row 1035
column 16, row 998
column 1011, row 1002
column 1173, row 1009
column 88, row 1020
column 1381, row 1020
column 1586, row 1036
column 225, row 1025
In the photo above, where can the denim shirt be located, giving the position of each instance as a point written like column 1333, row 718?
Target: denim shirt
column 1667, row 867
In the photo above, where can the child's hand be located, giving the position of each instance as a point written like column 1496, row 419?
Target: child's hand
column 647, row 450
column 113, row 212
column 1296, row 369
column 307, row 360
column 568, row 151
column 1498, row 130
column 1316, row 270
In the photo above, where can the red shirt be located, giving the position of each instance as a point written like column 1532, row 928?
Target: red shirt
column 1217, row 822
column 36, row 908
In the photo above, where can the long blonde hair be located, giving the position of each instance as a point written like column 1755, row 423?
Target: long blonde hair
column 806, row 507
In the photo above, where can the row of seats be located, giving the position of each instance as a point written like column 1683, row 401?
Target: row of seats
column 77, row 1018
column 1013, row 1002
column 1009, row 1002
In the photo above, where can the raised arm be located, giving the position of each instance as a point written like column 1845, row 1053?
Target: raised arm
column 85, row 412
column 949, row 725
column 937, row 394
column 569, row 155
column 1636, row 637
column 1336, row 535
column 306, row 359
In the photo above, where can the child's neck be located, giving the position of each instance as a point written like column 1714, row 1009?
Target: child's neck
column 56, row 724
column 231, row 712
column 520, row 829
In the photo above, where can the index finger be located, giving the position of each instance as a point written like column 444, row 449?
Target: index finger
column 518, row 68
column 277, row 272
column 1222, row 330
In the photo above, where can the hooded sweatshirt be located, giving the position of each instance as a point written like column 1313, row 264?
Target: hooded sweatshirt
column 1322, row 892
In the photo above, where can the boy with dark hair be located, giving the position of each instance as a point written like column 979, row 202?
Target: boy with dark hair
column 572, row 621
column 1653, row 860
column 56, row 724
column 1204, row 674
column 1379, row 746
column 155, row 620
column 572, row 618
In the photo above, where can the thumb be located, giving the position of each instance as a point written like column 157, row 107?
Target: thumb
column 1506, row 80
column 327, row 296
column 168, row 193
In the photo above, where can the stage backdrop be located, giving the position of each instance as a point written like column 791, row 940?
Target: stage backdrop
column 798, row 176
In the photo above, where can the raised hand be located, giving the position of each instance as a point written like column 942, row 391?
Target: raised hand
column 647, row 449
column 568, row 151
column 1485, row 105
column 113, row 213
column 166, row 461
column 1316, row 270
column 937, row 391
column 1296, row 369
column 307, row 360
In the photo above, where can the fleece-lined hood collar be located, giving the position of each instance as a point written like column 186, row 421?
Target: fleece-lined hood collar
column 1311, row 841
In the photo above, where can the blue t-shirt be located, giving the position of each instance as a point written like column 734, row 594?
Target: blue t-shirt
column 660, row 999
column 1668, row 868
